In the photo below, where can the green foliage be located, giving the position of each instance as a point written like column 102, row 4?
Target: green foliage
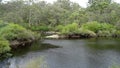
column 10, row 32
column 116, row 33
column 104, row 33
column 98, row 27
column 90, row 29
column 86, row 32
column 93, row 26
column 70, row 28
column 61, row 13
column 16, row 32
column 106, row 26
column 2, row 24
column 59, row 27
column 4, row 45
column 40, row 28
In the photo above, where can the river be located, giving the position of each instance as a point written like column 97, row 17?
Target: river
column 77, row 53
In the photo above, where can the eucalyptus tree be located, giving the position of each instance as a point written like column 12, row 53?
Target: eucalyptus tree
column 97, row 10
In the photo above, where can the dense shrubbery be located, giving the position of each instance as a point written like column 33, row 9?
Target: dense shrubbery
column 101, row 29
column 104, row 33
column 116, row 33
column 2, row 24
column 16, row 32
column 90, row 29
column 59, row 28
column 40, row 28
column 4, row 45
column 86, row 32
column 68, row 29
column 10, row 32
column 75, row 29
column 93, row 26
column 96, row 26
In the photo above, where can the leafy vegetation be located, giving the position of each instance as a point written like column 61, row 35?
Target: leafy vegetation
column 86, row 33
column 40, row 28
column 102, row 16
column 2, row 24
column 96, row 26
column 4, row 46
column 61, row 12
column 70, row 28
column 10, row 32
column 15, row 32
column 101, row 29
column 90, row 29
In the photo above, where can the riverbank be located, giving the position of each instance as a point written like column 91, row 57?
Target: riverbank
column 87, row 30
column 77, row 36
column 15, row 36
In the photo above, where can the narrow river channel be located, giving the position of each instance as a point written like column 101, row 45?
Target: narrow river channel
column 79, row 53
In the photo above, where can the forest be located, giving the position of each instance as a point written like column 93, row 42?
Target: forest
column 25, row 21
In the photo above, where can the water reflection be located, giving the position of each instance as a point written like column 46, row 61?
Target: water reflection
column 28, row 62
column 104, row 43
column 84, row 53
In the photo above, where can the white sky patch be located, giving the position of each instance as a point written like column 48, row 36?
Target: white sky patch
column 82, row 3
column 118, row 1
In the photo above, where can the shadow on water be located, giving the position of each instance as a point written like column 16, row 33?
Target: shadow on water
column 36, row 46
column 27, row 56
column 61, row 53
column 104, row 43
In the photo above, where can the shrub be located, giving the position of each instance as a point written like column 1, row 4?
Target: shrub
column 16, row 32
column 70, row 28
column 117, row 33
column 107, row 27
column 40, row 28
column 85, row 32
column 59, row 28
column 4, row 45
column 104, row 34
column 93, row 26
column 96, row 26
column 2, row 24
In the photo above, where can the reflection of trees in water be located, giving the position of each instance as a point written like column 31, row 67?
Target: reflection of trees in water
column 36, row 63
column 32, row 62
column 114, row 65
column 104, row 43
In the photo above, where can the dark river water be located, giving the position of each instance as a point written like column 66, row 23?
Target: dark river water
column 79, row 53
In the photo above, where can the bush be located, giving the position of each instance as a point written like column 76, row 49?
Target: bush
column 59, row 28
column 107, row 27
column 117, row 33
column 85, row 32
column 96, row 26
column 40, row 28
column 4, row 46
column 16, row 32
column 104, row 34
column 2, row 24
column 93, row 26
column 70, row 28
